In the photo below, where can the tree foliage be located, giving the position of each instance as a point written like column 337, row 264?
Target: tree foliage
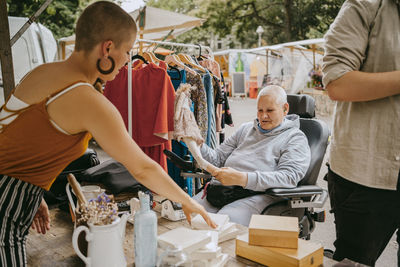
column 179, row 6
column 60, row 16
column 282, row 20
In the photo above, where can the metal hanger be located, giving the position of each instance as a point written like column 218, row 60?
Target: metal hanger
column 137, row 56
column 179, row 72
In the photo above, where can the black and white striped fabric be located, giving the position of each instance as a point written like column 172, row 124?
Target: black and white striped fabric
column 19, row 202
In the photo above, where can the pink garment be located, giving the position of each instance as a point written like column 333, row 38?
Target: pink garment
column 184, row 121
column 185, row 125
column 212, row 65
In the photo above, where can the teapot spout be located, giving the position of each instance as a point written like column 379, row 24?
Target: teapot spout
column 122, row 225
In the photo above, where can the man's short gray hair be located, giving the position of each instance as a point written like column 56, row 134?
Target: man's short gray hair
column 276, row 92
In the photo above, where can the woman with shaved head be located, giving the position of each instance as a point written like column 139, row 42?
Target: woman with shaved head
column 50, row 117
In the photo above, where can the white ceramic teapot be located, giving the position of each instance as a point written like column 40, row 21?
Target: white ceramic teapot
column 105, row 246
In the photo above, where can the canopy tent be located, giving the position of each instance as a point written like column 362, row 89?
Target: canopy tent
column 154, row 24
column 67, row 46
column 288, row 64
column 317, row 43
column 160, row 24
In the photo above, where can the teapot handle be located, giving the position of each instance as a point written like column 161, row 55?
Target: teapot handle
column 75, row 236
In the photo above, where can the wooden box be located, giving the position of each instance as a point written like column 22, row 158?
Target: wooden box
column 274, row 231
column 307, row 254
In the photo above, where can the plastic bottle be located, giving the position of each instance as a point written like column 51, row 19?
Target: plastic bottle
column 145, row 234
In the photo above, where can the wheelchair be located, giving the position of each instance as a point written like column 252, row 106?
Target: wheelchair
column 297, row 202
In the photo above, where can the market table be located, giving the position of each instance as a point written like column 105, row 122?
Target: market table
column 55, row 248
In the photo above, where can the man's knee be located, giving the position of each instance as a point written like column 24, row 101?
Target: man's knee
column 240, row 211
column 237, row 215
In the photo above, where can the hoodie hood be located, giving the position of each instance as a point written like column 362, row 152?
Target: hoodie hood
column 290, row 121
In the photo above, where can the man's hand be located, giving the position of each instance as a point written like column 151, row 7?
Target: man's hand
column 213, row 170
column 229, row 176
column 41, row 221
column 194, row 207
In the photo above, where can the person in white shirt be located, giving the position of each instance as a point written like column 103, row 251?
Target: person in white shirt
column 361, row 71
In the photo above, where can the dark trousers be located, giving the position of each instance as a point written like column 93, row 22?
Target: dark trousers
column 365, row 219
column 19, row 202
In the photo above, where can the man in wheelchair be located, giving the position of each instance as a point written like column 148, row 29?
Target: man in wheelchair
column 270, row 152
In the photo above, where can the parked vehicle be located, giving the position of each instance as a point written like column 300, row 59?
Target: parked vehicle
column 35, row 47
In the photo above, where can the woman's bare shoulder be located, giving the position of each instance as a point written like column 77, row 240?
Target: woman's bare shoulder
column 43, row 81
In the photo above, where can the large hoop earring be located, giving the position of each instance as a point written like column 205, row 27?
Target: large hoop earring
column 105, row 72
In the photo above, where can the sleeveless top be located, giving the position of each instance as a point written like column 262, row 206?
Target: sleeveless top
column 32, row 147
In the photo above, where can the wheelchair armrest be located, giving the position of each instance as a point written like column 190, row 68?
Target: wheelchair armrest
column 300, row 191
column 184, row 165
column 317, row 194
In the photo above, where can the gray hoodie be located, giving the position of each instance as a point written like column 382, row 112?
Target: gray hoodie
column 279, row 158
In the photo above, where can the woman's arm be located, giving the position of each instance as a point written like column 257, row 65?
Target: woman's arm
column 95, row 114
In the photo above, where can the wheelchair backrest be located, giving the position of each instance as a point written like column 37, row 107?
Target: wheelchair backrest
column 317, row 133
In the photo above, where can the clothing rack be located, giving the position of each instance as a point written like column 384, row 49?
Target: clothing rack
column 206, row 48
column 165, row 43
column 202, row 50
column 200, row 47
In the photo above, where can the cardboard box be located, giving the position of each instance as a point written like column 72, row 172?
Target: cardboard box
column 274, row 231
column 308, row 254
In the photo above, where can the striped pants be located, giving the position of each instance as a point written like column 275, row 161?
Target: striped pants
column 19, row 202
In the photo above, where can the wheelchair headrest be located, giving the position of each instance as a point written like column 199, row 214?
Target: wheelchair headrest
column 302, row 105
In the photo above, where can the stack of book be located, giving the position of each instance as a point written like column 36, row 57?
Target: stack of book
column 226, row 230
column 273, row 241
column 201, row 242
column 200, row 245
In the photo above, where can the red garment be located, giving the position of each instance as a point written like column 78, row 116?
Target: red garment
column 162, row 65
column 117, row 92
column 156, row 153
column 153, row 97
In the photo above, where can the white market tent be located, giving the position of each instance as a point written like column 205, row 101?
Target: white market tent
column 160, row 24
column 299, row 44
column 153, row 24
column 316, row 45
column 286, row 64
